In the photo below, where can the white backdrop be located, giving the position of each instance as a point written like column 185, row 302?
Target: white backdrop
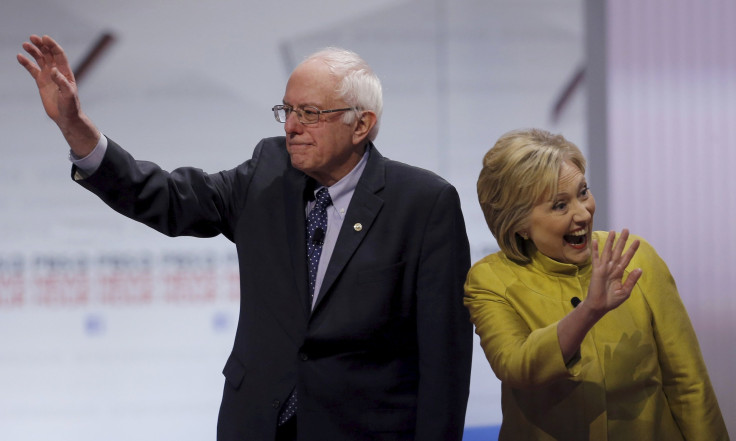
column 672, row 109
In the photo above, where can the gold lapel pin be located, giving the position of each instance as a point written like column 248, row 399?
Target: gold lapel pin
column 358, row 226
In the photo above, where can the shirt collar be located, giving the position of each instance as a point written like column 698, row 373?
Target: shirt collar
column 342, row 191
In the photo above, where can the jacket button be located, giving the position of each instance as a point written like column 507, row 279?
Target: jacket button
column 303, row 356
column 276, row 404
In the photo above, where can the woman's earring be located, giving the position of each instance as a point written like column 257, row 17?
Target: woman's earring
column 524, row 236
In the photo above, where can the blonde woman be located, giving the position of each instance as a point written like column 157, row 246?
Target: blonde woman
column 585, row 329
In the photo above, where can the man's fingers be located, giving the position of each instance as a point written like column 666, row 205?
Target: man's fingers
column 57, row 53
column 48, row 54
column 34, row 52
column 61, row 82
column 28, row 65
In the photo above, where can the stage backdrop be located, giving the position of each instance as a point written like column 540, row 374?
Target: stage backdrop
column 111, row 331
column 671, row 145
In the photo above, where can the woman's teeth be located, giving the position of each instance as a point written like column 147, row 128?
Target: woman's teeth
column 577, row 237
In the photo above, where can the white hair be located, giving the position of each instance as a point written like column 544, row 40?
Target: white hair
column 357, row 84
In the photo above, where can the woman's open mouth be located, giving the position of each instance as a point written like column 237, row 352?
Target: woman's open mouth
column 577, row 239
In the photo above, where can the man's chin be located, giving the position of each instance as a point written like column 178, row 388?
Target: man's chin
column 300, row 164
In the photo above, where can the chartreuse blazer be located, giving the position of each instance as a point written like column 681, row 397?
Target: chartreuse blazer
column 639, row 374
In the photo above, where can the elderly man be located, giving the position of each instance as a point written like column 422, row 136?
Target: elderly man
column 352, row 266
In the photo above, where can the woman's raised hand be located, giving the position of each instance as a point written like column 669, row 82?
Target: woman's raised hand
column 607, row 289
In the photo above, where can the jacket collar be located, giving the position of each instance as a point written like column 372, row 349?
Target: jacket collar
column 555, row 268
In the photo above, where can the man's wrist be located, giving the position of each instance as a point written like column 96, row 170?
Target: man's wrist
column 89, row 164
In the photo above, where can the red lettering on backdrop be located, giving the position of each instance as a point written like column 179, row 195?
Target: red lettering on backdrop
column 126, row 289
column 124, row 279
column 12, row 287
column 61, row 289
column 12, row 281
column 190, row 287
column 189, row 278
column 60, row 281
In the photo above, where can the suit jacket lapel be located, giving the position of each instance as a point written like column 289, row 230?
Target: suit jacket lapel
column 362, row 211
column 295, row 186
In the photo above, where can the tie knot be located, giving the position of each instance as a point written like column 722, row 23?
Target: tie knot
column 323, row 199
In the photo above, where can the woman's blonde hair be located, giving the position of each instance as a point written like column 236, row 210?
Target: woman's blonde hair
column 519, row 172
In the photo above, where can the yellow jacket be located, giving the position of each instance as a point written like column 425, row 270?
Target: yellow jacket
column 639, row 374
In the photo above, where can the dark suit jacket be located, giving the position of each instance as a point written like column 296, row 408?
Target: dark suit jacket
column 386, row 353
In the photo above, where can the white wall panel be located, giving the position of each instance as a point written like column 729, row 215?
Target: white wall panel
column 672, row 152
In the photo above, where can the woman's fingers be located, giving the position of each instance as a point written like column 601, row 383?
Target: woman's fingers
column 631, row 280
column 619, row 248
column 614, row 258
column 607, row 248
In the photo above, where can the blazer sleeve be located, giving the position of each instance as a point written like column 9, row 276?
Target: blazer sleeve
column 684, row 375
column 519, row 356
column 185, row 201
column 444, row 331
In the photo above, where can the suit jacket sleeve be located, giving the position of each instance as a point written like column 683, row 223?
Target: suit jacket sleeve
column 444, row 328
column 185, row 201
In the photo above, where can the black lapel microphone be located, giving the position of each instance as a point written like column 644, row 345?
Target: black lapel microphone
column 575, row 302
column 319, row 237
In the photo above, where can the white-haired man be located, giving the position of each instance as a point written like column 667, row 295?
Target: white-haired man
column 352, row 266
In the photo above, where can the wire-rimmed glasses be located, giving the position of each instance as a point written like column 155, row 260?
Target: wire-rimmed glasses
column 305, row 115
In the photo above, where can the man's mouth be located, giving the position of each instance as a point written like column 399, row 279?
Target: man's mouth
column 577, row 239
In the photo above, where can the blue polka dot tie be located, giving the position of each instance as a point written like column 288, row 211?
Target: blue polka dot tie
column 316, row 229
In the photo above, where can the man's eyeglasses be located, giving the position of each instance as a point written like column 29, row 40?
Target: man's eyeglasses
column 305, row 115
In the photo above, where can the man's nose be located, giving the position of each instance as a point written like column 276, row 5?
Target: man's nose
column 292, row 124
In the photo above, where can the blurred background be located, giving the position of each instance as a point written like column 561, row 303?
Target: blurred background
column 111, row 331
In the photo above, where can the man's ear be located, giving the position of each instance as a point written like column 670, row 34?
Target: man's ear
column 363, row 125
